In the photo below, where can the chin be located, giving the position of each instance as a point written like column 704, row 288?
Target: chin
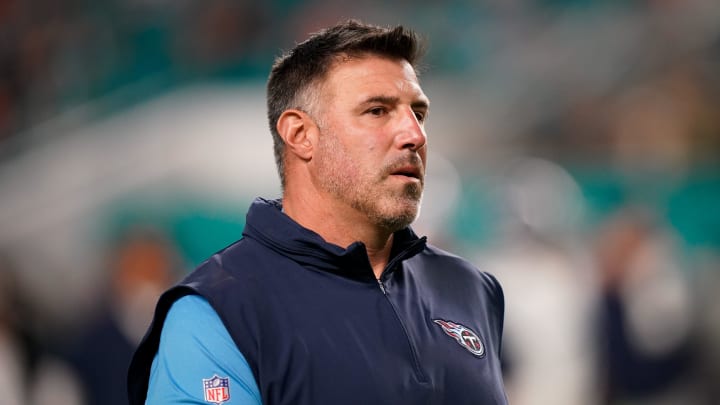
column 401, row 216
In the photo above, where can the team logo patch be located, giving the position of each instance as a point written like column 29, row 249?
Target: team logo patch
column 217, row 389
column 463, row 335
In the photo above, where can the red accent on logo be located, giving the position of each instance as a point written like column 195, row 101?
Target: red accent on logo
column 463, row 335
column 217, row 389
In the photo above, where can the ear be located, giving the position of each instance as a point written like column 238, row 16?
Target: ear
column 299, row 132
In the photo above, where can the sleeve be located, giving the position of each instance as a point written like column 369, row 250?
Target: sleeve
column 498, row 297
column 197, row 361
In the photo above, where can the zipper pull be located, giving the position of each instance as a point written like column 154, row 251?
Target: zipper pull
column 382, row 287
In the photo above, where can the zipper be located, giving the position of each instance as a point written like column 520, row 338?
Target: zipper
column 413, row 351
column 382, row 286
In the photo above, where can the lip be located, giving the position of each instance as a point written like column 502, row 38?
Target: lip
column 411, row 172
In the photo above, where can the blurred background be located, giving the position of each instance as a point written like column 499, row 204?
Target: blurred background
column 575, row 154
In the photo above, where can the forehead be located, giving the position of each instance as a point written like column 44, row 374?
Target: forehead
column 359, row 77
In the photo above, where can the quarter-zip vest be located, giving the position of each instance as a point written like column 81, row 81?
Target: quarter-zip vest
column 317, row 328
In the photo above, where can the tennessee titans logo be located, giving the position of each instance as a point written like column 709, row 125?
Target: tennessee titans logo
column 463, row 335
column 217, row 390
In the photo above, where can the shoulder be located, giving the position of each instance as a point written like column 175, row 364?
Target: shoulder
column 236, row 265
column 450, row 266
column 193, row 328
column 447, row 261
column 228, row 268
column 438, row 255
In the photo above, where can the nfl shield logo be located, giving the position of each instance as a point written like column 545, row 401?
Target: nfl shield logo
column 217, row 389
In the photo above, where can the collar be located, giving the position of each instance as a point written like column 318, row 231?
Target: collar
column 267, row 224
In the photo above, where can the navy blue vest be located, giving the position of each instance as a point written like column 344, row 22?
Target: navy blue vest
column 317, row 328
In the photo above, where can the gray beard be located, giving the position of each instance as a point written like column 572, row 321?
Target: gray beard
column 412, row 194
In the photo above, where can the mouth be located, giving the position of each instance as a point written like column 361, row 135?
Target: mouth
column 410, row 172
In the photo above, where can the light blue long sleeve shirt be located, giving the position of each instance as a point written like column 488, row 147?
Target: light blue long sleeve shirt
column 194, row 348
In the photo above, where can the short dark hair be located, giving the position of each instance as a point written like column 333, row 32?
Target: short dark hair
column 297, row 70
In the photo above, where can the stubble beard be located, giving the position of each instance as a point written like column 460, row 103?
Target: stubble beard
column 366, row 191
column 391, row 211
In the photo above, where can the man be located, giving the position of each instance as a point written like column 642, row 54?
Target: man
column 329, row 297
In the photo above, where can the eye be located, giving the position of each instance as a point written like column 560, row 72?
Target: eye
column 377, row 111
column 420, row 116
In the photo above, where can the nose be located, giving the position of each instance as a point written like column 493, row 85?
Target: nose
column 411, row 134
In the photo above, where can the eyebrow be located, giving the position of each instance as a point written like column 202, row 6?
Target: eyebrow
column 421, row 103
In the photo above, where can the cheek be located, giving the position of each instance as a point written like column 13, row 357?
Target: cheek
column 366, row 140
column 377, row 141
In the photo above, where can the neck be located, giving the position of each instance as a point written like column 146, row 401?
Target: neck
column 340, row 225
column 379, row 257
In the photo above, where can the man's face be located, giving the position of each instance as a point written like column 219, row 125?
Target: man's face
column 371, row 154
